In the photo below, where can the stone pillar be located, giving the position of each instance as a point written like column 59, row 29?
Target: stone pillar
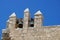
column 26, row 20
column 12, row 22
column 38, row 20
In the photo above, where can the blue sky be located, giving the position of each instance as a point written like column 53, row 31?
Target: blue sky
column 49, row 8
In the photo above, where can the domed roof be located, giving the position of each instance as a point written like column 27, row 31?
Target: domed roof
column 38, row 13
column 27, row 9
column 13, row 14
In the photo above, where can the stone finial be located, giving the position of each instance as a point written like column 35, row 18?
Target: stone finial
column 26, row 10
column 8, row 20
column 13, row 15
column 38, row 13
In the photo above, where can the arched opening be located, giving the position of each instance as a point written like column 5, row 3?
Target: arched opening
column 20, row 25
column 32, row 22
column 31, row 25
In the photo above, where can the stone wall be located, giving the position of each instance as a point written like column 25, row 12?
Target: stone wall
column 45, row 33
column 38, row 32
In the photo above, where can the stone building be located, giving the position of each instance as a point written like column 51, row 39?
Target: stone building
column 29, row 29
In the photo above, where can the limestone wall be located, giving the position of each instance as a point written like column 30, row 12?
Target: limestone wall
column 45, row 33
column 38, row 32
